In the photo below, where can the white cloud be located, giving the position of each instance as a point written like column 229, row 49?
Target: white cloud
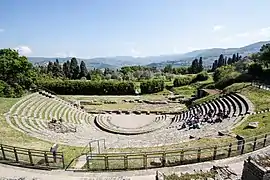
column 249, row 36
column 23, row 50
column 265, row 32
column 135, row 52
column 217, row 27
column 1, row 30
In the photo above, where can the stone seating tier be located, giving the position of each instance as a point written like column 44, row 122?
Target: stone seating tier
column 234, row 103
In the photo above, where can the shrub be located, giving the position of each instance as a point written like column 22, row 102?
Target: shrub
column 255, row 70
column 152, row 86
column 202, row 76
column 182, row 81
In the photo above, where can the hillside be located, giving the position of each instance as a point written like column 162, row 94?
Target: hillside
column 209, row 55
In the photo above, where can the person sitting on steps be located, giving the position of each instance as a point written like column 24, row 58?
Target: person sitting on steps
column 53, row 121
column 61, row 120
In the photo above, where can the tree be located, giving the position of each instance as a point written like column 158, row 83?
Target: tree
column 50, row 68
column 74, row 68
column 57, row 69
column 215, row 65
column 221, row 61
column 194, row 68
column 200, row 68
column 66, row 69
column 234, row 58
column 16, row 71
column 168, row 68
column 265, row 55
column 229, row 62
column 83, row 70
column 255, row 70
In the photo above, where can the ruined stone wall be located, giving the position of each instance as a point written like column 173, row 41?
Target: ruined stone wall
column 252, row 171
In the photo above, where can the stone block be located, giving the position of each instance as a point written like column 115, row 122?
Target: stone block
column 253, row 125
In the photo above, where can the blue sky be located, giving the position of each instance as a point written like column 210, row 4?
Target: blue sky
column 93, row 28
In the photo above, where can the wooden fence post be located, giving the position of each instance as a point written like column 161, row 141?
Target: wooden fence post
column 243, row 146
column 15, row 154
column 63, row 160
column 30, row 157
column 230, row 150
column 87, row 162
column 254, row 144
column 163, row 159
column 264, row 141
column 215, row 153
column 199, row 155
column 126, row 162
column 46, row 158
column 3, row 152
column 182, row 157
column 145, row 161
column 106, row 162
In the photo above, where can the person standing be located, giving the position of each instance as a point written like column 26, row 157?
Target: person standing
column 54, row 151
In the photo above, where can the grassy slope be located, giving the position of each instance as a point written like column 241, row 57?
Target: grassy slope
column 189, row 90
column 261, row 100
column 193, row 144
column 12, row 137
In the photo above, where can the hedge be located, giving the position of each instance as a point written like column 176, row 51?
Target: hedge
column 79, row 87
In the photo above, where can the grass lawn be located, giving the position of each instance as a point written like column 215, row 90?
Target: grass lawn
column 136, row 107
column 11, row 137
column 186, row 91
column 205, row 99
column 193, row 144
column 156, row 96
column 259, row 97
column 264, row 125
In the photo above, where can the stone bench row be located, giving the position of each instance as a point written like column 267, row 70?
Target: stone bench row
column 52, row 108
column 132, row 112
column 232, row 103
column 39, row 129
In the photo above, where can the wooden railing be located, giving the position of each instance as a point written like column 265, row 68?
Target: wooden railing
column 31, row 157
column 146, row 160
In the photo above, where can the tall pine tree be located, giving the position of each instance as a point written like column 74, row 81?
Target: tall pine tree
column 74, row 68
column 66, row 69
column 83, row 70
column 50, row 68
column 200, row 68
column 57, row 69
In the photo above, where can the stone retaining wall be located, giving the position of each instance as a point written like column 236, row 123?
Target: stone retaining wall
column 253, row 171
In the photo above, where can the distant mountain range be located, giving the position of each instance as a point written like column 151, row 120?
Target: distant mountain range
column 209, row 55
